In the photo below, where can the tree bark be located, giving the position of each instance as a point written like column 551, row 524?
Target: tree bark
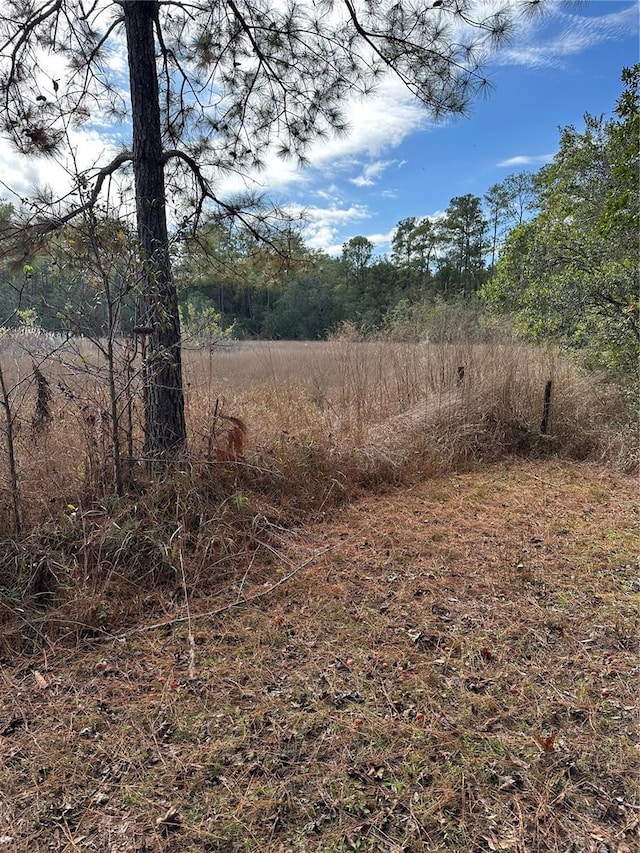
column 165, row 431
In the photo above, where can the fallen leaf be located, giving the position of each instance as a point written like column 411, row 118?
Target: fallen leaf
column 505, row 843
column 170, row 822
column 547, row 743
column 41, row 681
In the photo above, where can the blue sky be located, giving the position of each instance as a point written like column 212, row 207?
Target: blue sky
column 394, row 162
column 553, row 72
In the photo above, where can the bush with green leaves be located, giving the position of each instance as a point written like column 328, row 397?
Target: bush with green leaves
column 571, row 273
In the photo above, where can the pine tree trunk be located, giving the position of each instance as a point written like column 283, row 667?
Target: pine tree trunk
column 165, row 430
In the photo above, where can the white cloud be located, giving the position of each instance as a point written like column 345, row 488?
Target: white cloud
column 382, row 241
column 532, row 48
column 371, row 173
column 436, row 215
column 87, row 147
column 22, row 176
column 377, row 124
column 332, row 194
column 525, row 160
column 321, row 225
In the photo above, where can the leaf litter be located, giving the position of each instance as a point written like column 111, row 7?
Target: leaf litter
column 454, row 668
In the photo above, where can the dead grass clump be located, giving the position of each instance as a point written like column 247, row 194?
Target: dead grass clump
column 494, row 408
column 199, row 529
column 80, row 578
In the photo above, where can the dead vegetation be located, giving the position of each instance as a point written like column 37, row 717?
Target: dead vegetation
column 334, row 626
column 294, row 431
column 454, row 668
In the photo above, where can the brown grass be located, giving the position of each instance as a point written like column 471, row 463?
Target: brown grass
column 347, row 391
column 279, row 433
column 454, row 669
column 377, row 408
column 338, row 629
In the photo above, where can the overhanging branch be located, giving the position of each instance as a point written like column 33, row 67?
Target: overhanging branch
column 53, row 224
column 207, row 193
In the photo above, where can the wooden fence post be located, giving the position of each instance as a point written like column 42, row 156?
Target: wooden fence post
column 546, row 408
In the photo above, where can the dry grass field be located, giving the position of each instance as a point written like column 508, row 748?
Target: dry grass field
column 403, row 620
column 371, row 409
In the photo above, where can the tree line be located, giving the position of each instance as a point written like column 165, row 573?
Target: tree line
column 228, row 280
column 310, row 294
column 556, row 249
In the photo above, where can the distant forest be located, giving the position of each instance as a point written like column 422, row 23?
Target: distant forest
column 556, row 250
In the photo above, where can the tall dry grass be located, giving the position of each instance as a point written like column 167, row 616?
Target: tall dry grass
column 342, row 400
column 355, row 395
column 325, row 421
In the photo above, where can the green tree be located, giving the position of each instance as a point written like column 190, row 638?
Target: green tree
column 402, row 251
column 356, row 260
column 571, row 273
column 382, row 292
column 356, row 257
column 211, row 85
column 522, row 195
column 497, row 200
column 7, row 290
column 622, row 208
column 413, row 247
column 207, row 268
column 464, row 239
column 309, row 305
column 508, row 204
column 425, row 245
